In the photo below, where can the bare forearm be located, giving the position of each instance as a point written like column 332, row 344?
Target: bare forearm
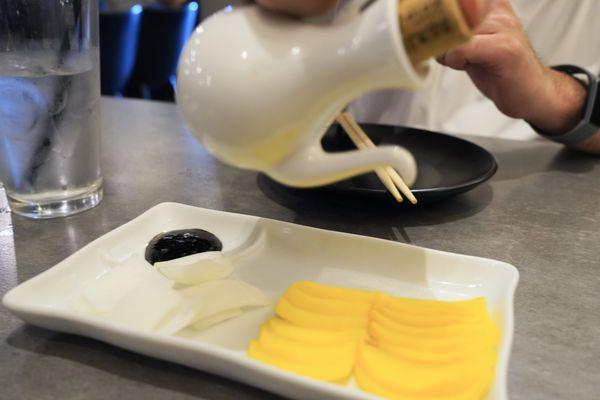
column 558, row 106
column 559, row 109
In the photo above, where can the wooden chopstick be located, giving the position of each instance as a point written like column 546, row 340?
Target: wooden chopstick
column 362, row 141
column 397, row 179
column 381, row 173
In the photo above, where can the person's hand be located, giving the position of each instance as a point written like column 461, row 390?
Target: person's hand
column 502, row 64
column 299, row 8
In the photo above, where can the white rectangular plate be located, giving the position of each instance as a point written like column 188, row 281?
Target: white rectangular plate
column 272, row 255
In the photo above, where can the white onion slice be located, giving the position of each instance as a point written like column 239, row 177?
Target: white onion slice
column 142, row 297
column 145, row 306
column 217, row 318
column 104, row 293
column 175, row 320
column 197, row 268
column 214, row 297
column 209, row 299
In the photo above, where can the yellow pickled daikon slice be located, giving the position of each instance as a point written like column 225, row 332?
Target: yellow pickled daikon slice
column 307, row 319
column 335, row 371
column 443, row 344
column 433, row 358
column 449, row 330
column 323, row 305
column 476, row 390
column 412, row 379
column 333, row 292
column 311, row 336
column 429, row 321
column 475, row 306
column 299, row 352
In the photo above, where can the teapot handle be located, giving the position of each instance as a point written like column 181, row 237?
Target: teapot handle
column 312, row 166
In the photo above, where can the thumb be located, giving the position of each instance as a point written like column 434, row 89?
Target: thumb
column 479, row 50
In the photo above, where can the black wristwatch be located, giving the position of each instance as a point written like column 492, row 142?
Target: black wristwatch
column 590, row 119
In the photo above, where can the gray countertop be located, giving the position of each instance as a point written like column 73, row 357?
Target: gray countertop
column 541, row 213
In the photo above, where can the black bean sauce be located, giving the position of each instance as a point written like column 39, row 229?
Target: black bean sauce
column 175, row 244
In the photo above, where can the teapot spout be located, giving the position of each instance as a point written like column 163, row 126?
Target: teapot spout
column 314, row 167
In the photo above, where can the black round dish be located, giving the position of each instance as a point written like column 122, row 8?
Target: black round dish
column 447, row 165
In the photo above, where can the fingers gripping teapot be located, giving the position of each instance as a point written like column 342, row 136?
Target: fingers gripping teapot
column 259, row 90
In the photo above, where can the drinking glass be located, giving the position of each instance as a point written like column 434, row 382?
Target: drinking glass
column 49, row 106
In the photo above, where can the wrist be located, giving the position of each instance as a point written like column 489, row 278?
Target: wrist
column 558, row 106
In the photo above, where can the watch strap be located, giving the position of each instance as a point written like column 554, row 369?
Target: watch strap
column 590, row 121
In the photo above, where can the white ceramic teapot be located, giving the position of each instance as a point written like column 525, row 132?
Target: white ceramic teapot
column 259, row 90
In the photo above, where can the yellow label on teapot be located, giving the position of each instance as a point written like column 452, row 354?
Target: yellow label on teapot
column 431, row 27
